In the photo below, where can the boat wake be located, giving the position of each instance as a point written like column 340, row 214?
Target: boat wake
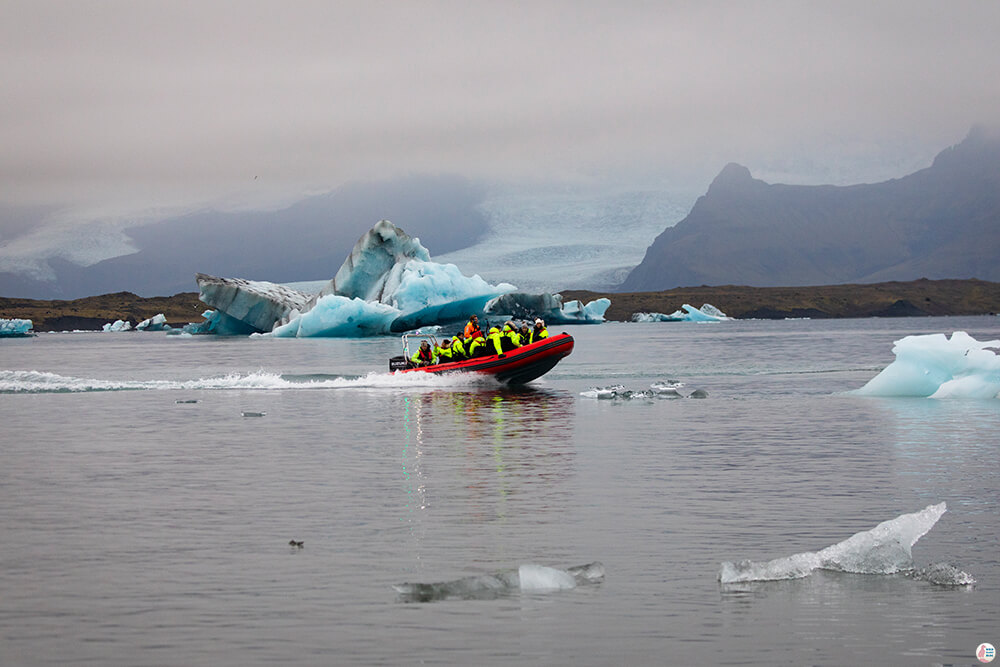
column 41, row 382
column 885, row 549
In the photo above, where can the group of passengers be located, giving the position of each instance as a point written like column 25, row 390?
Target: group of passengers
column 472, row 342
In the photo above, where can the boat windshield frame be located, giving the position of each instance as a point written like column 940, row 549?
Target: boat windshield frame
column 422, row 336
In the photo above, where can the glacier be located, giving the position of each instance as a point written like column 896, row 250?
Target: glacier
column 15, row 327
column 388, row 284
column 885, row 549
column 687, row 313
column 935, row 366
column 528, row 577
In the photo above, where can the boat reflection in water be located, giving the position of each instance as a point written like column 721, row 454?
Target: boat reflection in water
column 483, row 453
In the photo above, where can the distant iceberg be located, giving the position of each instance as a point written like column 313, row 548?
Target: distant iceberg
column 688, row 313
column 549, row 307
column 15, row 327
column 156, row 323
column 937, row 367
column 885, row 549
column 117, row 325
column 388, row 284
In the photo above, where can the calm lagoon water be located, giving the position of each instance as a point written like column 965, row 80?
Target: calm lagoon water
column 140, row 528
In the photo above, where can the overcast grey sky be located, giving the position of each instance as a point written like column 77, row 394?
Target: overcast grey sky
column 153, row 102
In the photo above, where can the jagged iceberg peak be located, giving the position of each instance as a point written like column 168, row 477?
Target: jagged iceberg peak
column 885, row 549
column 375, row 260
column 257, row 303
column 935, row 366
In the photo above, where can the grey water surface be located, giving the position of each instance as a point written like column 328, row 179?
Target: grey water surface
column 138, row 527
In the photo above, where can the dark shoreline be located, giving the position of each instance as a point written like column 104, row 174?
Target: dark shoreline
column 917, row 298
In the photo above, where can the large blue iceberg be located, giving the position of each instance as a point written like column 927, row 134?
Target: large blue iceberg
column 388, row 284
column 935, row 366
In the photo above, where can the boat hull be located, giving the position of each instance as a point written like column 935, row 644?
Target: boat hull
column 518, row 366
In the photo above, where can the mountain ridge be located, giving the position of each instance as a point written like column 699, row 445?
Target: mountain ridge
column 940, row 222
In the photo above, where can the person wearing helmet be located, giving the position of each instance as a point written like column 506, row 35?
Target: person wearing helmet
column 538, row 332
column 424, row 356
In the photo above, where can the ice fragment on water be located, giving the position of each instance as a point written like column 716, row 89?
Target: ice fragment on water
column 944, row 574
column 937, row 367
column 885, row 549
column 528, row 577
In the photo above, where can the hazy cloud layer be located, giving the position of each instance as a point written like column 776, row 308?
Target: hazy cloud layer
column 153, row 102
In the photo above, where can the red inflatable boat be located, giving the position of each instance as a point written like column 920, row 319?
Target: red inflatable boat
column 518, row 366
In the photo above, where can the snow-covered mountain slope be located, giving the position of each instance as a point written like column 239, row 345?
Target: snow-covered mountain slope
column 543, row 242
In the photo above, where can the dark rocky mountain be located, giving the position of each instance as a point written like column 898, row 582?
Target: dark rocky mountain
column 306, row 241
column 940, row 222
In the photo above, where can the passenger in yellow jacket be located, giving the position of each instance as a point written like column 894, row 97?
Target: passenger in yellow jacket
column 494, row 341
column 481, row 347
column 457, row 349
column 509, row 338
column 444, row 351
column 539, row 331
column 424, row 356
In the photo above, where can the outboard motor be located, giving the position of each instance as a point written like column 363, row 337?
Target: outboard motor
column 398, row 363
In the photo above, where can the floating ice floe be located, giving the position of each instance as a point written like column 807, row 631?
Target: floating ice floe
column 943, row 574
column 15, row 327
column 155, row 323
column 935, row 366
column 885, row 549
column 668, row 389
column 688, row 313
column 527, row 578
column 117, row 325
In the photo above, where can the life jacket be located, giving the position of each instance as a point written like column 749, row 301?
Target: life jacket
column 423, row 355
column 538, row 334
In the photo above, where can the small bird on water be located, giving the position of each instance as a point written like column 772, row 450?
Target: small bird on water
column 296, row 545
